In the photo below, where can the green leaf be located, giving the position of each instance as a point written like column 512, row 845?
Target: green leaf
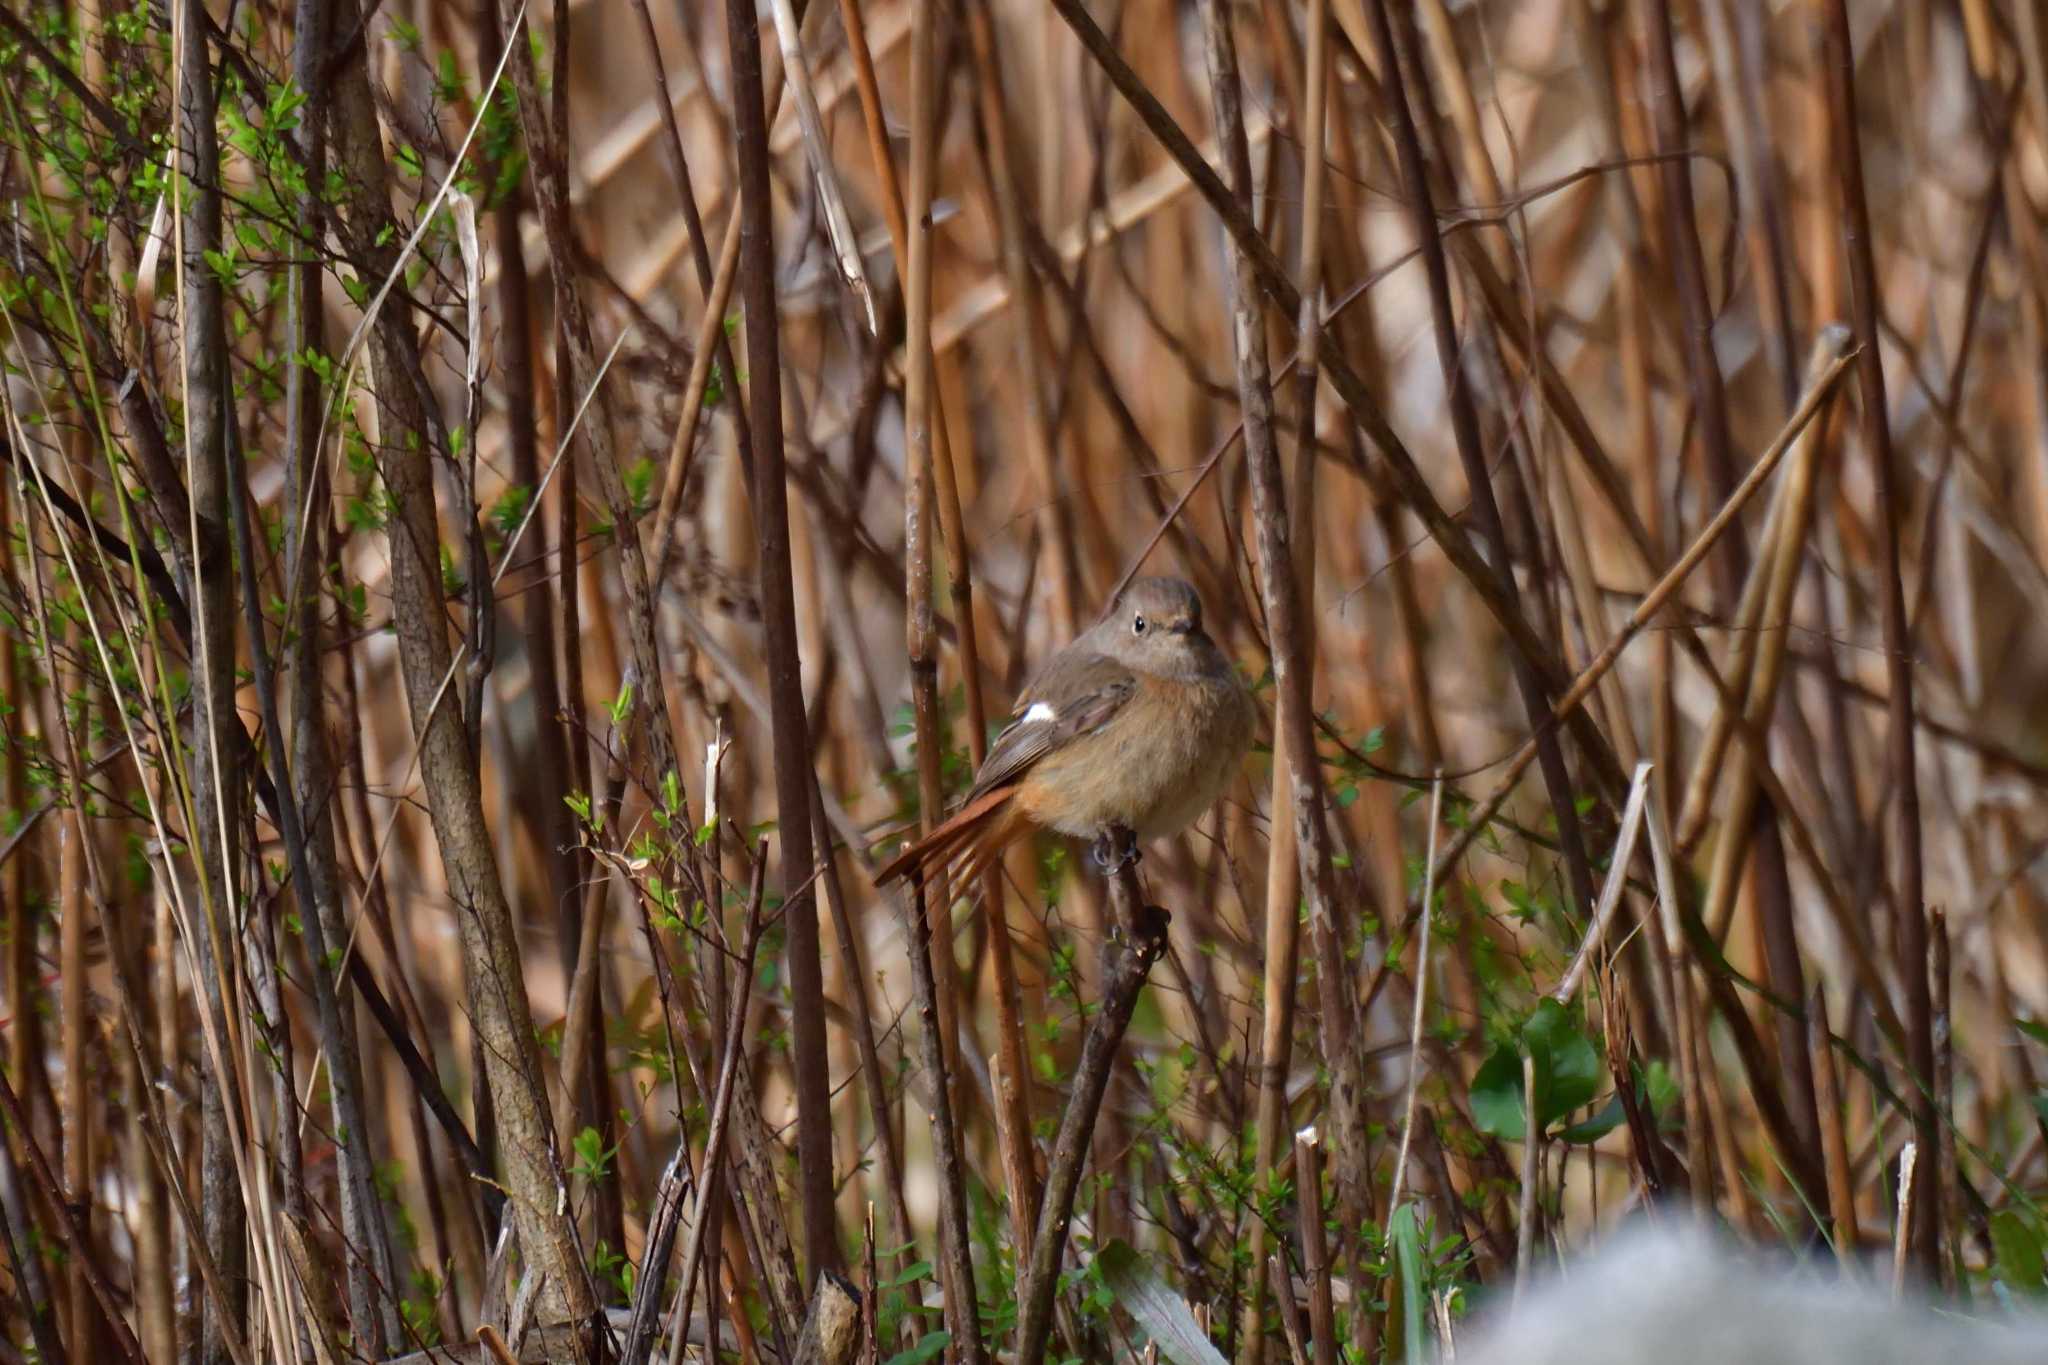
column 1568, row 1067
column 2037, row 1031
column 1568, row 1073
column 1407, row 1240
column 929, row 1347
column 1160, row 1312
column 910, row 1275
column 1497, row 1094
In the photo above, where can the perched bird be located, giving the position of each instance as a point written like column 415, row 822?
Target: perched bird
column 1138, row 724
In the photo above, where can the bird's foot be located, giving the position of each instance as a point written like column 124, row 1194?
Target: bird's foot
column 1114, row 850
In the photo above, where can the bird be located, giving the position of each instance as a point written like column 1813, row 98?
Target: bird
column 1137, row 725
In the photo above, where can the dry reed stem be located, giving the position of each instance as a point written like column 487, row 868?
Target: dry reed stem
column 1827, row 1089
column 1283, row 882
column 1436, row 815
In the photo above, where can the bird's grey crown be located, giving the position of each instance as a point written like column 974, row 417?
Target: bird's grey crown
column 1166, row 598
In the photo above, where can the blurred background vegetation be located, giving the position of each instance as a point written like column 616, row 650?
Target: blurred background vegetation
column 512, row 509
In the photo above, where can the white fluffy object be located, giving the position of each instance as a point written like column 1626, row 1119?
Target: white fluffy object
column 1674, row 1295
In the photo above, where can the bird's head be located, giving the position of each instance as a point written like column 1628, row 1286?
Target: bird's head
column 1156, row 626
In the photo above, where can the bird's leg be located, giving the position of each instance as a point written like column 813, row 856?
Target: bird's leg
column 1113, row 854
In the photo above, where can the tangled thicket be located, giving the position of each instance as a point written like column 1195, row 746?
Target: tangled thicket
column 512, row 510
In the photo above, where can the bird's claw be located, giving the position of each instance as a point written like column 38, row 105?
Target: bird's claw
column 1111, row 855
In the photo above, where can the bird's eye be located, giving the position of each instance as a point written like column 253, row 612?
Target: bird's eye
column 1138, row 625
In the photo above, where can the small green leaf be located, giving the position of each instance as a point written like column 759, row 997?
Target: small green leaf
column 929, row 1347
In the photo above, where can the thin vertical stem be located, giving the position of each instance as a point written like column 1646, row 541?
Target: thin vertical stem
column 929, row 905
column 793, row 775
column 1532, row 1168
column 1283, row 881
column 1910, row 935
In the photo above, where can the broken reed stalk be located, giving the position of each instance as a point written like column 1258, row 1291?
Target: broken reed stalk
column 1693, row 1051
column 1697, row 806
column 710, row 334
column 1777, row 568
column 818, row 151
column 1611, row 891
column 1902, row 1224
column 832, row 1329
column 1128, row 953
column 1910, row 932
column 1315, row 1250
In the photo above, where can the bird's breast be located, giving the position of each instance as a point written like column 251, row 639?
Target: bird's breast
column 1160, row 763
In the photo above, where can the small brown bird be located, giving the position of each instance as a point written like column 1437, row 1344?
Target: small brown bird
column 1138, row 724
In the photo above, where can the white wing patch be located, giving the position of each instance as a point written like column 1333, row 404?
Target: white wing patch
column 1040, row 711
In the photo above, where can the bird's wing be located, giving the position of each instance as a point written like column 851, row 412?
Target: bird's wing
column 1075, row 695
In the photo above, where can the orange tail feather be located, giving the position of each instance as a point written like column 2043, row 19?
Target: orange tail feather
column 973, row 835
